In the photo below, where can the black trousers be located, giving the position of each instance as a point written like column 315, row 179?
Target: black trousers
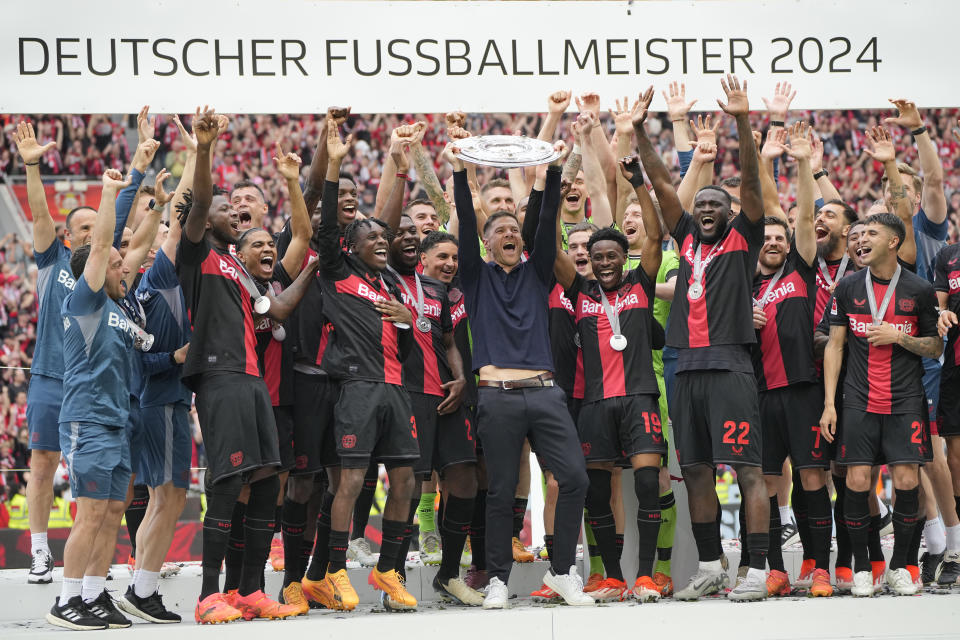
column 504, row 419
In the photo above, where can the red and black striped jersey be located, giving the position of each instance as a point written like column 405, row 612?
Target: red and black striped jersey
column 783, row 354
column 461, row 337
column 567, row 358
column 308, row 330
column 883, row 379
column 221, row 311
column 823, row 286
column 609, row 373
column 362, row 346
column 723, row 314
column 275, row 356
column 426, row 367
column 946, row 278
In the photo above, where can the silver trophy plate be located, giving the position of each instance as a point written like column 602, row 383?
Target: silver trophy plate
column 506, row 151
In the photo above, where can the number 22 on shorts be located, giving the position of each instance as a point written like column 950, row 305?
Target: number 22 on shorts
column 731, row 427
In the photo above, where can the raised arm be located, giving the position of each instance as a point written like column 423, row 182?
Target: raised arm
column 318, row 166
column 169, row 246
column 400, row 140
column 703, row 156
column 101, row 239
column 428, row 177
column 772, row 149
column 884, row 152
column 142, row 158
column 592, row 171
column 737, row 105
column 653, row 165
column 557, row 103
column 590, row 102
column 623, row 125
column 328, row 236
column 652, row 250
column 145, row 234
column 44, row 228
column 288, row 166
column 206, row 129
column 543, row 255
column 800, row 150
column 828, row 192
column 705, row 133
column 932, row 199
column 677, row 110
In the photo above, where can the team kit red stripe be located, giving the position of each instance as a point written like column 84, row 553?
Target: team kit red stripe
column 774, row 372
column 614, row 384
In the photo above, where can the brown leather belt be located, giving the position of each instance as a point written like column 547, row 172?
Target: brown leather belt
column 542, row 380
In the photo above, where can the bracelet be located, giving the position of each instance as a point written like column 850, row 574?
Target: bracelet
column 777, row 123
column 402, row 175
column 820, row 174
column 31, row 164
column 917, row 132
column 154, row 207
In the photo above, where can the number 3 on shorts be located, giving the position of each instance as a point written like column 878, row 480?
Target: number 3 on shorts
column 730, row 427
column 413, row 426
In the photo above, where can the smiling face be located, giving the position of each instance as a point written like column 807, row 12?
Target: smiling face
column 346, row 202
column 113, row 280
column 249, row 205
column 877, row 242
column 223, row 221
column 831, row 228
column 853, row 243
column 125, row 241
column 258, row 252
column 440, row 262
column 633, row 226
column 80, row 229
column 498, row 199
column 576, row 198
column 607, row 259
column 775, row 247
column 370, row 244
column 711, row 210
column 577, row 250
column 425, row 218
column 503, row 242
column 405, row 246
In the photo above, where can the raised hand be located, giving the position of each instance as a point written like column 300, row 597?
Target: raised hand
column 800, row 147
column 147, row 149
column 456, row 120
column 779, row 104
column 27, row 145
column 189, row 140
column 623, row 116
column 222, row 123
column 449, row 154
column 288, row 165
column 576, row 130
column 776, row 143
column 677, row 105
column 146, row 126
column 702, row 130
column 640, row 114
column 908, row 116
column 706, row 151
column 630, row 170
column 558, row 101
column 419, row 128
column 206, row 126
column 336, row 148
column 882, row 145
column 400, row 140
column 737, row 103
column 589, row 102
column 816, row 155
column 457, row 133
column 587, row 121
column 159, row 193
column 113, row 180
column 339, row 114
column 561, row 147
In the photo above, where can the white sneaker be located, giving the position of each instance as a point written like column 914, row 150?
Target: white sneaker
column 430, row 553
column 569, row 587
column 359, row 549
column 41, row 568
column 706, row 581
column 901, row 583
column 457, row 591
column 496, row 595
column 863, row 584
column 752, row 587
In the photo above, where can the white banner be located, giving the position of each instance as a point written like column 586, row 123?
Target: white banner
column 295, row 56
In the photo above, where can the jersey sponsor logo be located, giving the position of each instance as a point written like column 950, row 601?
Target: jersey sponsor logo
column 565, row 302
column 459, row 312
column 66, row 323
column 954, row 282
column 143, row 296
column 348, row 441
column 907, row 305
column 833, row 308
column 859, row 327
column 228, row 269
column 119, row 321
column 236, row 458
column 590, row 308
column 953, row 262
column 780, row 292
column 431, row 308
column 364, row 291
column 66, row 279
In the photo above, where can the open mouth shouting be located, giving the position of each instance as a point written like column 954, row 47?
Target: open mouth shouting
column 267, row 262
column 822, row 232
column 708, row 222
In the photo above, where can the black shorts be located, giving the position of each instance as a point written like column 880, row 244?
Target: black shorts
column 790, row 418
column 374, row 420
column 470, row 417
column 716, row 418
column 283, row 416
column 237, row 424
column 314, row 397
column 948, row 410
column 444, row 439
column 899, row 438
column 621, row 427
column 573, row 406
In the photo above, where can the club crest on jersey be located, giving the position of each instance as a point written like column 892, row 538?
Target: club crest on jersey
column 907, row 305
column 586, row 447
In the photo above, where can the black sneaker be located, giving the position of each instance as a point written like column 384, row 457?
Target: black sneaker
column 949, row 572
column 150, row 608
column 789, row 535
column 41, row 568
column 928, row 567
column 105, row 609
column 74, row 615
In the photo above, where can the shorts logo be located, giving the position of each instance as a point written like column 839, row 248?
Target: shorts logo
column 843, row 451
column 655, row 437
column 301, row 462
column 586, row 448
column 236, row 458
column 737, row 450
column 36, row 436
column 816, row 454
column 922, row 450
column 91, row 485
column 907, row 305
column 348, row 441
column 860, row 303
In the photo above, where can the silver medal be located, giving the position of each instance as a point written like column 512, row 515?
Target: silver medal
column 576, row 340
column 144, row 341
column 423, row 324
column 279, row 333
column 262, row 305
column 618, row 342
column 695, row 292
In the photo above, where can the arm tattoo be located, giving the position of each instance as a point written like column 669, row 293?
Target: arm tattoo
column 429, row 182
column 928, row 347
column 572, row 167
column 898, row 192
